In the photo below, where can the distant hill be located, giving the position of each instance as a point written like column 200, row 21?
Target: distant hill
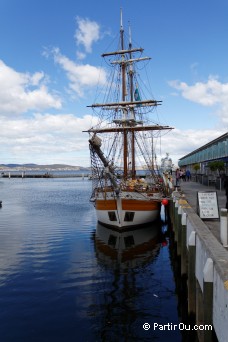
column 43, row 167
column 18, row 165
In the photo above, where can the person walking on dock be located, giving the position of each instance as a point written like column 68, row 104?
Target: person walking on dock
column 178, row 175
column 188, row 175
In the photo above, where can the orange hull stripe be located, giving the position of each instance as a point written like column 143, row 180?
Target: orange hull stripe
column 138, row 205
column 131, row 205
column 106, row 205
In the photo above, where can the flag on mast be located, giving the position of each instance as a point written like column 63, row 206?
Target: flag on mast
column 137, row 95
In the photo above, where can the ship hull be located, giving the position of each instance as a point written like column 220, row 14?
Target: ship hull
column 123, row 213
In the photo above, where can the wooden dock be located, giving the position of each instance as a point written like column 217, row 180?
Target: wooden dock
column 204, row 260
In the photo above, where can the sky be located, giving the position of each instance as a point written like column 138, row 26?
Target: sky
column 50, row 62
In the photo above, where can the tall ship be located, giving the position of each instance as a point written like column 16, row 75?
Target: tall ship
column 123, row 142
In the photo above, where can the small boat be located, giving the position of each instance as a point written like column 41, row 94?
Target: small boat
column 48, row 175
column 123, row 141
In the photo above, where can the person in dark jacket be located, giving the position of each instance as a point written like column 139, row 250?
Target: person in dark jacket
column 226, row 190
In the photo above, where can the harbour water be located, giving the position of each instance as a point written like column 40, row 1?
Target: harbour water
column 65, row 278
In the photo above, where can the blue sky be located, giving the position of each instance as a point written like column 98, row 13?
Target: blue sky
column 49, row 65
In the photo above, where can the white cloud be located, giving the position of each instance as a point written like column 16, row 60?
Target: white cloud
column 81, row 76
column 43, row 125
column 21, row 92
column 87, row 33
column 206, row 94
column 46, row 138
column 36, row 78
column 80, row 55
column 210, row 93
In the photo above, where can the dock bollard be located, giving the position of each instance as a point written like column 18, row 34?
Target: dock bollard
column 224, row 227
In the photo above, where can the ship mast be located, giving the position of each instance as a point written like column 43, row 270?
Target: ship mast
column 126, row 105
column 124, row 111
column 131, row 73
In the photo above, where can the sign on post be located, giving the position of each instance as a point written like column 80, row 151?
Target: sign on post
column 207, row 205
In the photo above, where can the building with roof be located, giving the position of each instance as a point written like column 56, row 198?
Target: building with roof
column 217, row 149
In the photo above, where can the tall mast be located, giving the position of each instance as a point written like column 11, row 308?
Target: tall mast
column 123, row 66
column 131, row 69
column 131, row 73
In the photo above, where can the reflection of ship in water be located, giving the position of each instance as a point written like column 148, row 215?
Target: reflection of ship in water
column 127, row 249
column 133, row 287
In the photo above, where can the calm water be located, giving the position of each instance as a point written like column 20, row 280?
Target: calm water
column 62, row 277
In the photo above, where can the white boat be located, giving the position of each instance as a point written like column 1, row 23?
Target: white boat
column 123, row 142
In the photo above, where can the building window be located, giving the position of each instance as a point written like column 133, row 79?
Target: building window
column 129, row 216
column 112, row 216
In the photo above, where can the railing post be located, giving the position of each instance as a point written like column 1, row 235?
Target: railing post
column 224, row 227
column 183, row 244
column 191, row 274
column 208, row 275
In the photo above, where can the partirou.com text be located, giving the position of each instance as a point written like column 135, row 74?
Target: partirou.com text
column 180, row 326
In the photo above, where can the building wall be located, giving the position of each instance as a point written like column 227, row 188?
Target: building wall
column 214, row 150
